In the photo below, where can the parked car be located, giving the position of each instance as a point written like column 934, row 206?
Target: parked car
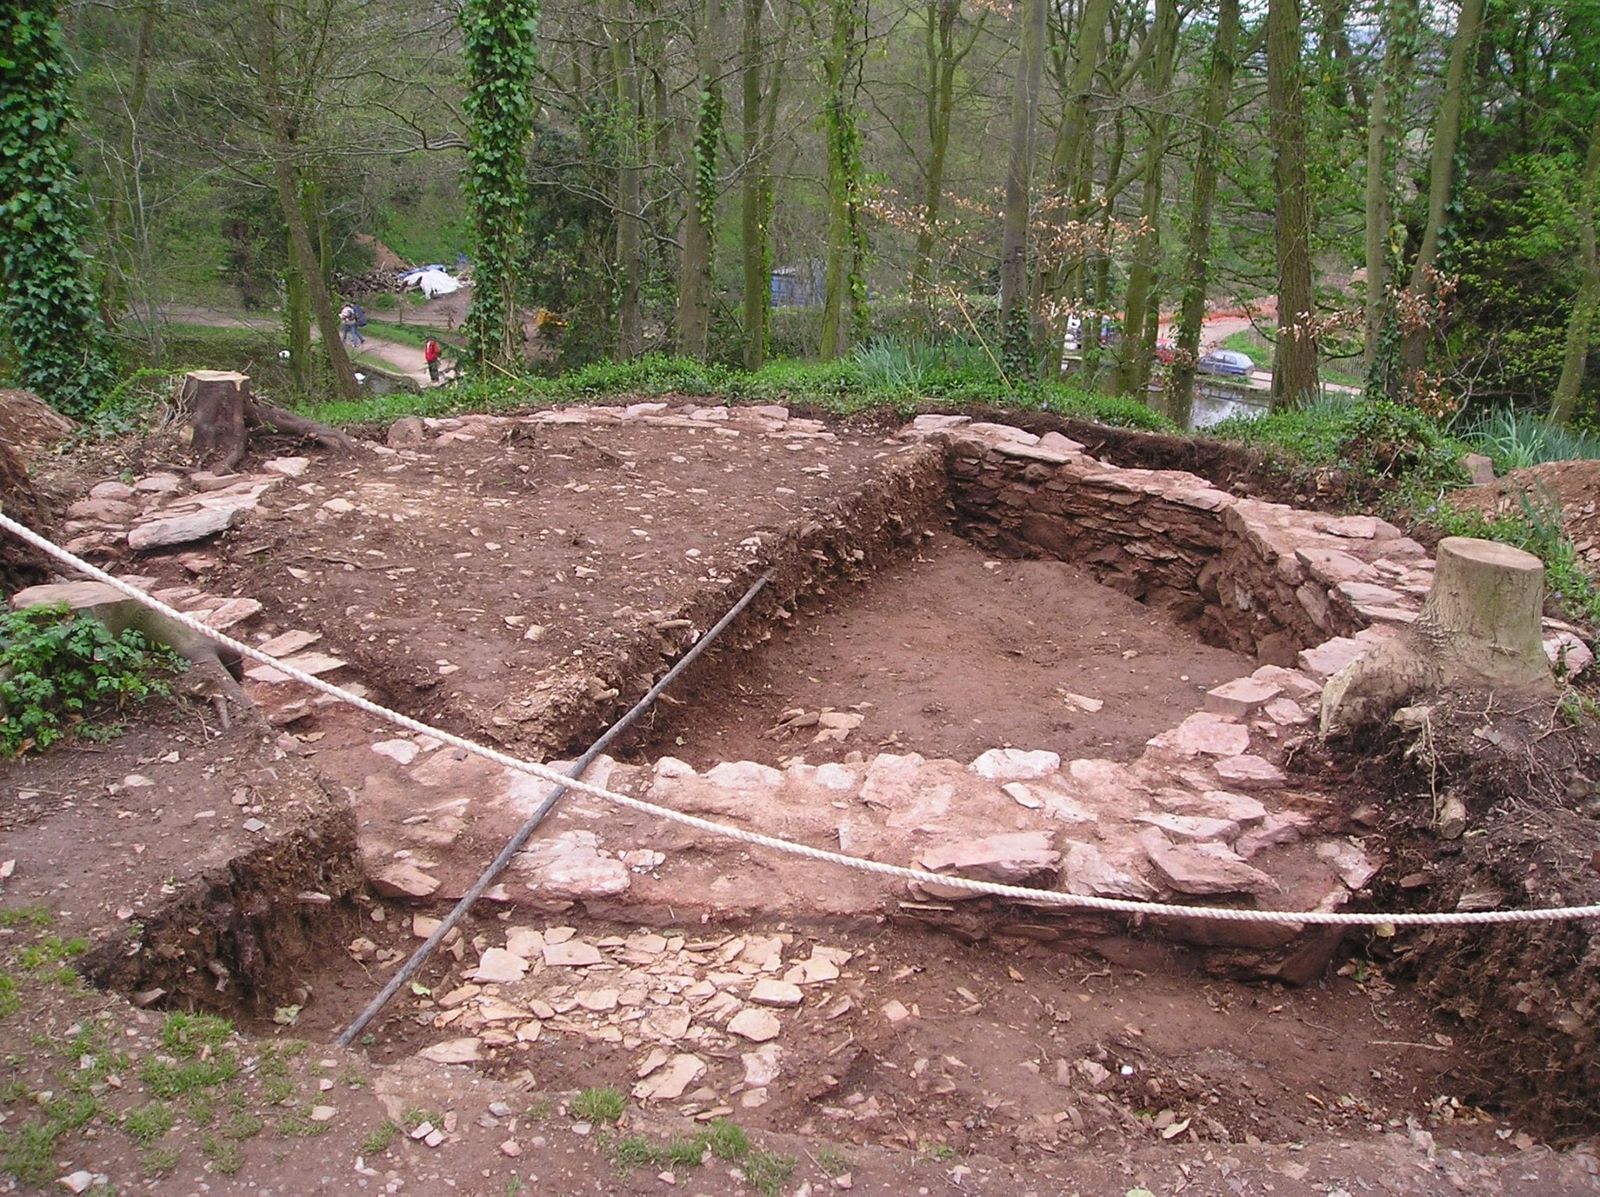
column 1165, row 351
column 1227, row 361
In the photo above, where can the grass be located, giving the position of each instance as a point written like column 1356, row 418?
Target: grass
column 380, row 1137
column 150, row 1121
column 167, row 1078
column 604, row 1106
column 844, row 387
column 190, row 1035
column 1515, row 440
column 765, row 1171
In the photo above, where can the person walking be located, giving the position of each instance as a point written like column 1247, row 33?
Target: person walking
column 430, row 354
column 347, row 326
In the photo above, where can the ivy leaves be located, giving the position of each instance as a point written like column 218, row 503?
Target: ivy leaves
column 48, row 306
column 501, row 44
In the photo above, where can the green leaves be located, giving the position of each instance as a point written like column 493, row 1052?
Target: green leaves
column 47, row 306
column 57, row 669
column 501, row 45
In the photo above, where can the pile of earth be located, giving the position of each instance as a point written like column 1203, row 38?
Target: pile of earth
column 1574, row 486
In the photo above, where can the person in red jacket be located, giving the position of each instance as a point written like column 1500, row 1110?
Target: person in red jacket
column 430, row 354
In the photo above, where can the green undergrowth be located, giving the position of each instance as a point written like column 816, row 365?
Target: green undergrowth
column 1515, row 440
column 1380, row 443
column 766, row 1172
column 844, row 387
column 61, row 673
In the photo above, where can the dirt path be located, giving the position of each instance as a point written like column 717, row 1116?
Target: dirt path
column 391, row 356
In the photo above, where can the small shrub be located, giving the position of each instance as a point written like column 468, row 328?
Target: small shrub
column 59, row 670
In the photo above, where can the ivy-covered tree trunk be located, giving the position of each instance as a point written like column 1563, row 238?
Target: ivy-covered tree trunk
column 500, row 39
column 759, row 120
column 700, row 208
column 1197, row 253
column 48, row 305
column 844, row 312
column 1015, row 321
column 1441, row 180
column 1294, row 359
column 1586, row 307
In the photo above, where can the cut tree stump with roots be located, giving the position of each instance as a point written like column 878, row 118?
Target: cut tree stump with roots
column 222, row 412
column 1480, row 627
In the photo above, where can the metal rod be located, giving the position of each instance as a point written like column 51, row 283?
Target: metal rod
column 514, row 845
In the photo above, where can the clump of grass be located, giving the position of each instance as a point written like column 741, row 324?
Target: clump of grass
column 170, row 1078
column 603, row 1106
column 379, row 1138
column 150, row 1121
column 159, row 1161
column 765, row 1171
column 187, row 1035
column 224, row 1154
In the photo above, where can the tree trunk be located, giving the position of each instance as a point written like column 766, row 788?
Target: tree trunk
column 124, row 177
column 286, row 176
column 1388, row 94
column 1585, row 308
column 700, row 208
column 1441, row 176
column 1015, row 333
column 1207, row 168
column 1294, row 359
column 843, row 286
column 755, row 258
column 1481, row 625
column 1068, row 178
column 1141, row 317
column 221, row 411
column 630, row 264
column 943, row 58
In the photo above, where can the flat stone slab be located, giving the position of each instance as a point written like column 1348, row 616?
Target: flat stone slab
column 1204, row 868
column 182, row 529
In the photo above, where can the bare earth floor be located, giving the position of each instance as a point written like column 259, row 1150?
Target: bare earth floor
column 950, row 653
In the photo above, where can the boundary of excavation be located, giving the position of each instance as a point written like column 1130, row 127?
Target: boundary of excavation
column 1017, row 893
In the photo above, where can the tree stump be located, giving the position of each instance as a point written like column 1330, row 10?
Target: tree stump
column 214, row 401
column 223, row 411
column 1481, row 625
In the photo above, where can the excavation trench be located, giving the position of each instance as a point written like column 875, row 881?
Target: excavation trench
column 990, row 635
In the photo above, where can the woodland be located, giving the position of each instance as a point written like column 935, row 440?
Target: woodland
column 1403, row 193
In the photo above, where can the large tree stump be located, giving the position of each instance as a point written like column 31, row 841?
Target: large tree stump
column 223, row 411
column 1481, row 625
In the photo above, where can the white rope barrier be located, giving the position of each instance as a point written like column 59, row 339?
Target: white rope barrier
column 1017, row 893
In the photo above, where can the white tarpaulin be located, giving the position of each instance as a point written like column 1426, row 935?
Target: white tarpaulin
column 431, row 281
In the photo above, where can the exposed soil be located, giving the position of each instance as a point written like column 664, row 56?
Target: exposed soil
column 429, row 577
column 1528, row 774
column 949, row 653
column 1572, row 485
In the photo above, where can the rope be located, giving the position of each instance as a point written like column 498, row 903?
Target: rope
column 1016, row 893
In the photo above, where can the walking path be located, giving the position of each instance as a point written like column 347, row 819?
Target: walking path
column 392, row 356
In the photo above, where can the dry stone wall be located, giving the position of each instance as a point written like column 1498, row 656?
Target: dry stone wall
column 1259, row 577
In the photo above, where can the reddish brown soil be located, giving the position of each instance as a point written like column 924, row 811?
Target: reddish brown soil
column 1263, row 1062
column 1573, row 485
column 949, row 654
column 461, row 577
